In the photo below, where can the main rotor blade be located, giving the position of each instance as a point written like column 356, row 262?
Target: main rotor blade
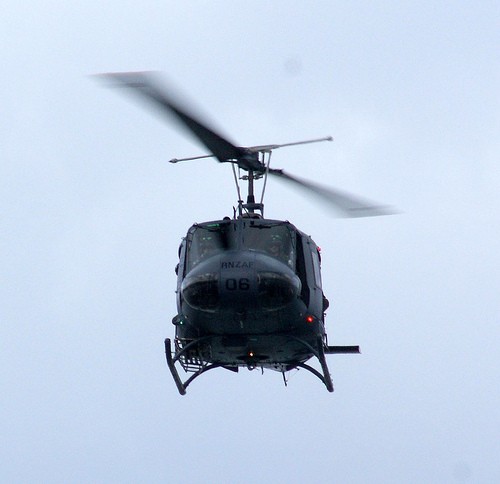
column 268, row 148
column 349, row 206
column 144, row 84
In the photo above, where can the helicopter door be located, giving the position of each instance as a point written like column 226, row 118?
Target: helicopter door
column 309, row 271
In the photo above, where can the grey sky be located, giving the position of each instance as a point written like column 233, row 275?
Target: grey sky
column 93, row 214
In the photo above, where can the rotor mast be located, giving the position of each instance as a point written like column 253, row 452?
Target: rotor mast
column 255, row 167
column 251, row 206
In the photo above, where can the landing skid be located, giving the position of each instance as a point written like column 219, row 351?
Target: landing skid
column 320, row 353
column 181, row 386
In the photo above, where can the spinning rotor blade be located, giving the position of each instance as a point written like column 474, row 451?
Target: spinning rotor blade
column 143, row 84
column 348, row 205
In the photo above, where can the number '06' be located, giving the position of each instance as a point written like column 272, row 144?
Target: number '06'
column 242, row 284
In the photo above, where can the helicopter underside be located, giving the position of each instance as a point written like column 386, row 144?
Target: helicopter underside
column 281, row 352
column 265, row 350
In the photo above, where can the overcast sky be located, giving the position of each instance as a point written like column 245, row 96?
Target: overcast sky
column 92, row 214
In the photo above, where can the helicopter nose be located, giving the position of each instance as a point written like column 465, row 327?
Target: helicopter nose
column 240, row 280
column 276, row 289
column 257, row 281
column 201, row 291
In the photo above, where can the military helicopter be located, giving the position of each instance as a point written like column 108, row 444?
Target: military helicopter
column 249, row 290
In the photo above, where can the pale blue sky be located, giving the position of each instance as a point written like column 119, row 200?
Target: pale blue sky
column 93, row 214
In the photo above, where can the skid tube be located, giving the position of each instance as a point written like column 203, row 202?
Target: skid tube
column 320, row 355
column 181, row 386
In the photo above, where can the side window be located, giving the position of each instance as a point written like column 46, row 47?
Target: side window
column 182, row 256
column 301, row 270
column 316, row 268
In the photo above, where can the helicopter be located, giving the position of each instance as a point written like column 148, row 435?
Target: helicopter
column 249, row 291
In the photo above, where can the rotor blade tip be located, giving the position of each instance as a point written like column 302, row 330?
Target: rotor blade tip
column 372, row 211
column 126, row 79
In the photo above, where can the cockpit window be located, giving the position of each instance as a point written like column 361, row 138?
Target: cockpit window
column 207, row 241
column 274, row 240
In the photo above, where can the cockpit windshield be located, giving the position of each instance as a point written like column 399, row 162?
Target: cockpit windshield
column 209, row 240
column 275, row 239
